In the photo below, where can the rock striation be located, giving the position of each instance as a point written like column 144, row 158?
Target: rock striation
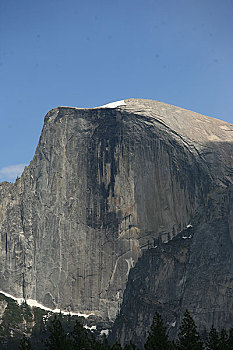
column 105, row 187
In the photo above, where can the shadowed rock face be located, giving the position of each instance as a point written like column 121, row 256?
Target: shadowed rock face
column 105, row 185
column 192, row 271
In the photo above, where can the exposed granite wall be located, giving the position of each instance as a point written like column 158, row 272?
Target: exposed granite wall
column 103, row 186
column 192, row 271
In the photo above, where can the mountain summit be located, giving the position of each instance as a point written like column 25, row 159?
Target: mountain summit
column 118, row 187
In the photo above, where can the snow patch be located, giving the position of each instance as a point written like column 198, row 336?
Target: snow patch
column 104, row 332
column 185, row 237
column 34, row 303
column 130, row 263
column 189, row 226
column 113, row 104
column 19, row 300
column 92, row 328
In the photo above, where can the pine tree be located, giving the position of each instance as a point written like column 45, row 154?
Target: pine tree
column 213, row 339
column 158, row 338
column 230, row 339
column 25, row 344
column 80, row 338
column 116, row 346
column 57, row 339
column 104, row 342
column 188, row 337
column 223, row 340
column 97, row 345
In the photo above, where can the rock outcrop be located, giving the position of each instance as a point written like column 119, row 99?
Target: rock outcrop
column 104, row 187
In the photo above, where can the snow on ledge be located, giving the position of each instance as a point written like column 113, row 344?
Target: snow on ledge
column 34, row 303
column 92, row 328
column 189, row 226
column 19, row 300
column 104, row 332
column 113, row 104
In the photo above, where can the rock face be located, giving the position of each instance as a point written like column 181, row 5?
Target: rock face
column 192, row 271
column 104, row 187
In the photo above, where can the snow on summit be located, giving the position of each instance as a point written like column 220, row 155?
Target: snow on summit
column 108, row 105
column 113, row 104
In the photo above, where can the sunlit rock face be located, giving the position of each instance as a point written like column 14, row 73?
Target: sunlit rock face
column 105, row 185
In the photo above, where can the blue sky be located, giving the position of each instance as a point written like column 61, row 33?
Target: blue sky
column 88, row 53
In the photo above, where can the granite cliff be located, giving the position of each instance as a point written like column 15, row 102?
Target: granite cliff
column 105, row 187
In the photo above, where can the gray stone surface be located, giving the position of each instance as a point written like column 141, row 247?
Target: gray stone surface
column 192, row 271
column 103, row 186
column 3, row 305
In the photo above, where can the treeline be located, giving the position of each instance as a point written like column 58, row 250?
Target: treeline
column 58, row 338
column 188, row 337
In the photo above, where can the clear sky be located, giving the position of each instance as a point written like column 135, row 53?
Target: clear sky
column 87, row 53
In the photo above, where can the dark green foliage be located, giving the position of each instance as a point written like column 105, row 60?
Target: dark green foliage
column 96, row 345
column 80, row 338
column 11, row 320
column 38, row 319
column 188, row 337
column 25, row 344
column 12, row 314
column 158, row 338
column 213, row 339
column 223, row 340
column 26, row 311
column 230, row 339
column 57, row 339
column 104, row 345
column 67, row 333
column 19, row 319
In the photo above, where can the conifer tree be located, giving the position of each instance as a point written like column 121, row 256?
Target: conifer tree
column 25, row 344
column 223, row 340
column 188, row 337
column 230, row 339
column 80, row 338
column 98, row 345
column 158, row 338
column 105, row 344
column 213, row 339
column 57, row 339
